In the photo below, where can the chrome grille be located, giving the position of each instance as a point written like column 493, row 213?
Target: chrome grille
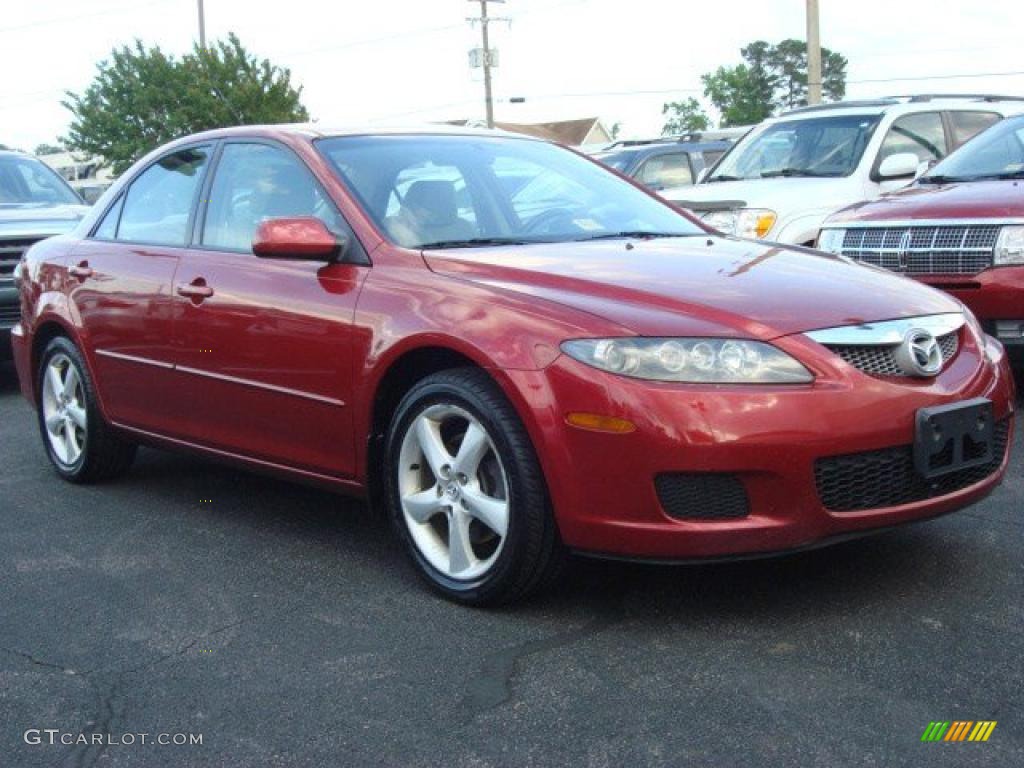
column 880, row 360
column 10, row 255
column 960, row 249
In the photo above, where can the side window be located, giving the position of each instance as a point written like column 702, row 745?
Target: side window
column 966, row 125
column 107, row 230
column 158, row 203
column 920, row 134
column 666, row 171
column 254, row 182
column 711, row 157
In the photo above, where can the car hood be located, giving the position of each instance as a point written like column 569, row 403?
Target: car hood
column 35, row 222
column 968, row 200
column 706, row 285
column 780, row 195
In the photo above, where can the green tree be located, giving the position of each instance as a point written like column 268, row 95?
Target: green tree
column 47, row 149
column 684, row 117
column 787, row 63
column 737, row 94
column 142, row 97
column 771, row 78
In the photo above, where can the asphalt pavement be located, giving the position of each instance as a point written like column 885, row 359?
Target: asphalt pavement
column 282, row 625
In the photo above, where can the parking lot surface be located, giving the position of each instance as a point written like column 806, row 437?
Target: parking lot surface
column 284, row 626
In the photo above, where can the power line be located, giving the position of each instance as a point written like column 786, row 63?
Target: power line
column 935, row 77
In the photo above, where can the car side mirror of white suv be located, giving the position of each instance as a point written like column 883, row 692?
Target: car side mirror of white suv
column 900, row 165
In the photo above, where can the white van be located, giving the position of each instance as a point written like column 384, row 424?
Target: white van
column 785, row 177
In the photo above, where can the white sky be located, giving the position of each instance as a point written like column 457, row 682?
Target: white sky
column 400, row 61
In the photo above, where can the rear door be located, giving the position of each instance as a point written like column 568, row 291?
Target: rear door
column 263, row 347
column 966, row 124
column 121, row 287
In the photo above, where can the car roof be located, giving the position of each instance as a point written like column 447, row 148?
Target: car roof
column 906, row 104
column 662, row 147
column 321, row 130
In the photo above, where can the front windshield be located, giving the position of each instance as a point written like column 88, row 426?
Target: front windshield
column 456, row 191
column 28, row 183
column 997, row 153
column 813, row 146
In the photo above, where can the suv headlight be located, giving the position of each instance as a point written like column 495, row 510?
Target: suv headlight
column 831, row 240
column 743, row 222
column 1010, row 246
column 696, row 360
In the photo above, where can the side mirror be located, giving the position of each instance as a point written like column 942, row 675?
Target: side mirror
column 301, row 237
column 898, row 166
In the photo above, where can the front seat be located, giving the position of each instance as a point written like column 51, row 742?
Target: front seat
column 429, row 214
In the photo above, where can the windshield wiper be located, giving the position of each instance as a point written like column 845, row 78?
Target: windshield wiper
column 787, row 172
column 637, row 233
column 475, row 242
column 939, row 178
column 722, row 177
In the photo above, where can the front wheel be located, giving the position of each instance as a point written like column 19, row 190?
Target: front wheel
column 465, row 491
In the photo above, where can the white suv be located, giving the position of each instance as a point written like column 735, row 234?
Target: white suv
column 788, row 174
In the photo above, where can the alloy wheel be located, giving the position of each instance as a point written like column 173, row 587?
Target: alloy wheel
column 64, row 410
column 453, row 490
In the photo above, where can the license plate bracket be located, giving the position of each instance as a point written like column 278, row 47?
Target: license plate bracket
column 952, row 437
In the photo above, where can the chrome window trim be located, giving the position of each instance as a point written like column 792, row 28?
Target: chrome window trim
column 887, row 332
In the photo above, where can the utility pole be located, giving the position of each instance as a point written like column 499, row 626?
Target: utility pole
column 487, row 56
column 813, row 54
column 202, row 27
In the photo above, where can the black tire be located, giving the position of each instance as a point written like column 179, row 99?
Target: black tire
column 104, row 455
column 532, row 553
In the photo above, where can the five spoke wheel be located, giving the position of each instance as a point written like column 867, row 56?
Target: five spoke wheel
column 64, row 410
column 453, row 491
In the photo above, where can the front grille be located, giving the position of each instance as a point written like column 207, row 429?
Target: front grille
column 10, row 255
column 702, row 496
column 887, row 478
column 960, row 249
column 880, row 360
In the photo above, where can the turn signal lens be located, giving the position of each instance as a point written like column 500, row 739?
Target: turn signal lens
column 598, row 423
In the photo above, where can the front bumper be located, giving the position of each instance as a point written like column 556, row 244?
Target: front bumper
column 769, row 437
column 995, row 296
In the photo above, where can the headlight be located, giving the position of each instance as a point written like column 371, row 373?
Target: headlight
column 716, row 361
column 831, row 240
column 744, row 222
column 1010, row 246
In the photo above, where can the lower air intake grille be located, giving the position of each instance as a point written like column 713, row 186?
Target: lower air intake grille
column 879, row 360
column 887, row 478
column 702, row 496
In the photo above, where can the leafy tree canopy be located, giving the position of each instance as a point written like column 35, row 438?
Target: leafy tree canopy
column 684, row 117
column 47, row 149
column 142, row 97
column 772, row 78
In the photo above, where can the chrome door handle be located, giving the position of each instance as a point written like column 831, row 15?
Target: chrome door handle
column 81, row 270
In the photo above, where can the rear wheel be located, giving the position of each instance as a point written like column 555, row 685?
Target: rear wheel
column 81, row 446
column 465, row 491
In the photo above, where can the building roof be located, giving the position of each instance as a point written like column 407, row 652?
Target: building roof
column 586, row 130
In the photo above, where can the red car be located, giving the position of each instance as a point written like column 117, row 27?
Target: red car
column 518, row 352
column 960, row 228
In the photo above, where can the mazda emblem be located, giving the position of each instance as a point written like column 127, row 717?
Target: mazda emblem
column 919, row 354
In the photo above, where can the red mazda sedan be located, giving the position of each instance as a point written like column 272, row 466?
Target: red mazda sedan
column 517, row 352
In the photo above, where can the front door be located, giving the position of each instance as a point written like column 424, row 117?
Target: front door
column 122, row 289
column 263, row 347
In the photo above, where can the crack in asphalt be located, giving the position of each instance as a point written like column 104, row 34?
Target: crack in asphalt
column 87, row 755
column 498, row 670
column 39, row 662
